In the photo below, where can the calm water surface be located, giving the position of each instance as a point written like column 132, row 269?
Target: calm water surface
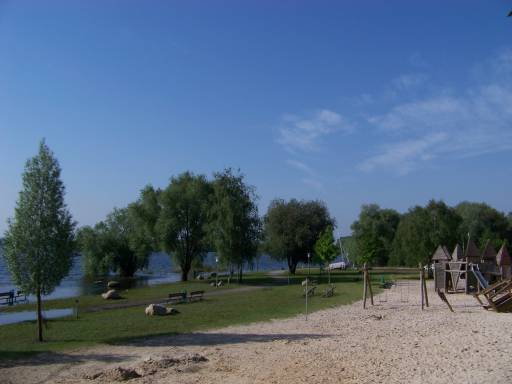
column 160, row 271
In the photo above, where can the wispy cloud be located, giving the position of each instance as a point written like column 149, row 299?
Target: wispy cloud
column 299, row 134
column 300, row 166
column 404, row 156
column 471, row 122
column 409, row 80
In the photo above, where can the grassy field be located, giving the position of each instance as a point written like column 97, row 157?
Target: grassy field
column 269, row 297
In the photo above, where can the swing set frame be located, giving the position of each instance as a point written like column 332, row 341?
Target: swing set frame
column 367, row 286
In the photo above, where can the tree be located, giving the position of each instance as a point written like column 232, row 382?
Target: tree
column 39, row 241
column 326, row 249
column 235, row 227
column 421, row 230
column 183, row 222
column 117, row 244
column 482, row 222
column 292, row 229
column 374, row 232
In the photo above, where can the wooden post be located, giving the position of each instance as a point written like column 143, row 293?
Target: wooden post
column 365, row 286
column 369, row 281
column 422, row 287
column 425, row 288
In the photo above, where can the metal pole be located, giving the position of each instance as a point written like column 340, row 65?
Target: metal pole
column 306, row 299
column 217, row 271
column 307, row 291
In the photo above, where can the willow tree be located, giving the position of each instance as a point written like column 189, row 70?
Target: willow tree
column 183, row 222
column 235, row 227
column 39, row 241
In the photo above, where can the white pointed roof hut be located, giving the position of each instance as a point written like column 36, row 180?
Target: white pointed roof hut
column 441, row 254
column 503, row 257
column 457, row 253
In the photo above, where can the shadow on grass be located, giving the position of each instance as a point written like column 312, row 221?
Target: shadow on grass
column 209, row 339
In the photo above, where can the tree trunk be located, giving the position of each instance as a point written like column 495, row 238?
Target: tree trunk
column 184, row 274
column 292, row 265
column 240, row 270
column 39, row 317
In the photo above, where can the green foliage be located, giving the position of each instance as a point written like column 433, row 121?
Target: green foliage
column 235, row 227
column 183, row 222
column 39, row 241
column 421, row 230
column 374, row 232
column 116, row 244
column 325, row 248
column 483, row 223
column 292, row 229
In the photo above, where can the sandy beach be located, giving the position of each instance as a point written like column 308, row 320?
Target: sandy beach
column 391, row 342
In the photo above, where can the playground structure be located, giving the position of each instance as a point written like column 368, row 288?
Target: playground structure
column 401, row 285
column 484, row 274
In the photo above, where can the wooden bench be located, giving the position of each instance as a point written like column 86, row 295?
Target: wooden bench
column 195, row 296
column 329, row 291
column 7, row 298
column 310, row 292
column 177, row 298
column 20, row 297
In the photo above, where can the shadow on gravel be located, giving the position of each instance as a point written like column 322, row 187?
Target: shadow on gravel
column 209, row 339
column 18, row 359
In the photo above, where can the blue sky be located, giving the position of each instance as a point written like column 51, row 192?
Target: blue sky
column 351, row 102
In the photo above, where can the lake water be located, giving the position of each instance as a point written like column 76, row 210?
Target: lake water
column 160, row 270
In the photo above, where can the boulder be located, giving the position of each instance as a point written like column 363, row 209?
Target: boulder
column 159, row 310
column 111, row 295
column 113, row 284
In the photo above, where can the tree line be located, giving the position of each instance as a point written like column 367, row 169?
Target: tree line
column 385, row 237
column 194, row 215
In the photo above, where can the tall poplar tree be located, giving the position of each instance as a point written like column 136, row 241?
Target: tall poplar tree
column 39, row 241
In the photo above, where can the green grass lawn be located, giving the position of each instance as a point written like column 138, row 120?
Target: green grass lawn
column 273, row 298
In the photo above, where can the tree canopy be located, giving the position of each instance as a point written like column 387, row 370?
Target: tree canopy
column 326, row 249
column 235, row 227
column 124, row 241
column 374, row 232
column 182, row 225
column 39, row 241
column 482, row 222
column 118, row 244
column 292, row 229
column 421, row 230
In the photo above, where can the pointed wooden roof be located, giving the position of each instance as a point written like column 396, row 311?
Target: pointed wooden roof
column 503, row 257
column 489, row 253
column 457, row 253
column 472, row 252
column 441, row 254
